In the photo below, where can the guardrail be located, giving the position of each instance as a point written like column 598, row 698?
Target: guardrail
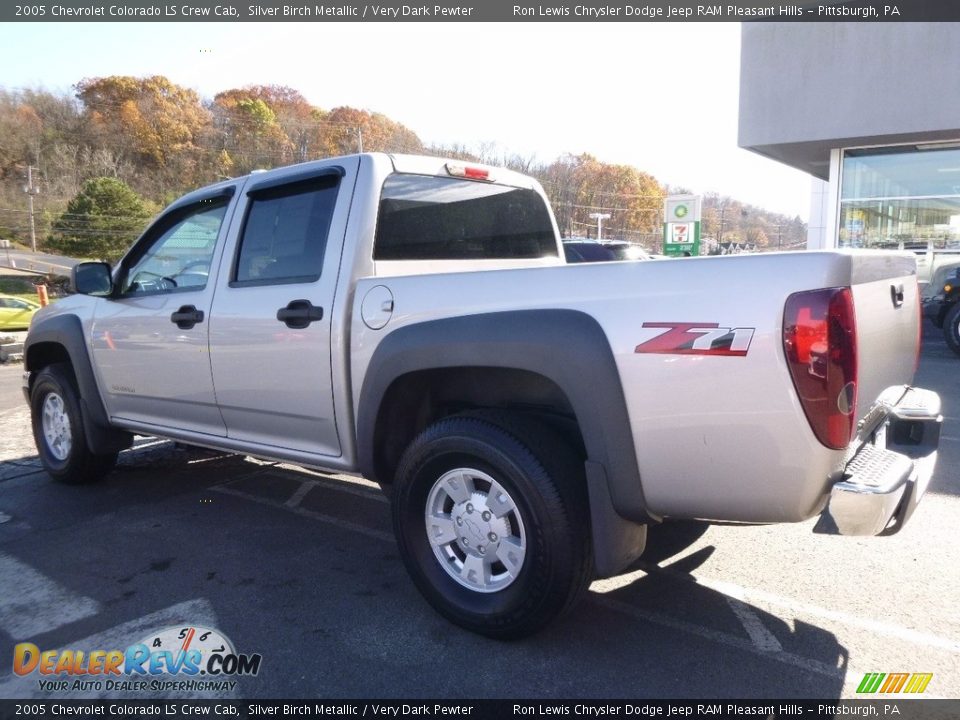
column 37, row 267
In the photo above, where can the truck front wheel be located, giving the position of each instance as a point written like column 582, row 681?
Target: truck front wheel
column 951, row 328
column 491, row 517
column 58, row 429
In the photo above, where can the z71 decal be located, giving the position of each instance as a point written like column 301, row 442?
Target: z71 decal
column 689, row 338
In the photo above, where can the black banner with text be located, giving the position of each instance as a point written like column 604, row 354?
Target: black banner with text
column 470, row 11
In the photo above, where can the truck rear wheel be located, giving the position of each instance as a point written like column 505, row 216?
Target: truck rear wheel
column 490, row 513
column 951, row 328
column 58, row 429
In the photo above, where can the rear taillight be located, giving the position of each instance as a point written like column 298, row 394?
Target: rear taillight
column 820, row 342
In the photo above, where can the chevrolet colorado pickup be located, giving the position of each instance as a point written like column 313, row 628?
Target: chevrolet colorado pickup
column 413, row 320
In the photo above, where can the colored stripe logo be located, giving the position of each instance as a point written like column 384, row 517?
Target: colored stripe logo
column 894, row 683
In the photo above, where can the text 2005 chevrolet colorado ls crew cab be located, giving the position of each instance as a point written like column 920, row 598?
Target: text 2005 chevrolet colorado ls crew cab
column 413, row 320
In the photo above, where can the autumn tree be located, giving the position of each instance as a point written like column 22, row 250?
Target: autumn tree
column 343, row 130
column 150, row 121
column 31, row 122
column 252, row 138
column 561, row 182
column 259, row 126
column 101, row 221
column 457, row 151
column 581, row 185
column 294, row 115
column 20, row 128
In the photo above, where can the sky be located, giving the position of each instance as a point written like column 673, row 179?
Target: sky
column 661, row 97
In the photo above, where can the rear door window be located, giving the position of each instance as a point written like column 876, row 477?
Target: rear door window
column 285, row 234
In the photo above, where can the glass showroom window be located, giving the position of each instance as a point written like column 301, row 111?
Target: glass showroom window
column 901, row 198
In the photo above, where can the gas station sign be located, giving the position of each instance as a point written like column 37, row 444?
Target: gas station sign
column 681, row 225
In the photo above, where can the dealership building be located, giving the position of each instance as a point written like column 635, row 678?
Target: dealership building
column 872, row 112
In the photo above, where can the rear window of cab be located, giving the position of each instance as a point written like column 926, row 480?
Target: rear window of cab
column 424, row 217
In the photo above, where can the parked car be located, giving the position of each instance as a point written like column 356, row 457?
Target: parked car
column 941, row 302
column 625, row 250
column 16, row 313
column 930, row 260
column 586, row 250
column 579, row 251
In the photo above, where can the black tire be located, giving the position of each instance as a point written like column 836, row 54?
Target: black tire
column 544, row 484
column 74, row 463
column 951, row 328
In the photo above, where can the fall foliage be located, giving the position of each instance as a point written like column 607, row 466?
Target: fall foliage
column 145, row 141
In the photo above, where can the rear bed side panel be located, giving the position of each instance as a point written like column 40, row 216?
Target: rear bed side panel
column 725, row 437
column 736, row 444
column 716, row 437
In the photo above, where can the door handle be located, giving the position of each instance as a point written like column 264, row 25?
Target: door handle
column 186, row 317
column 896, row 294
column 298, row 314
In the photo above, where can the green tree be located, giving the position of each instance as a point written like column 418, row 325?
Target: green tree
column 101, row 221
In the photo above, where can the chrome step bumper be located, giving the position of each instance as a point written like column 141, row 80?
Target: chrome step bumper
column 885, row 480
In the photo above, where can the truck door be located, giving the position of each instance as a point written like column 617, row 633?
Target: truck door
column 271, row 317
column 149, row 341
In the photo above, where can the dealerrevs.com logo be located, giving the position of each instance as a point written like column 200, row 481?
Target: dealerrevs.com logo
column 182, row 658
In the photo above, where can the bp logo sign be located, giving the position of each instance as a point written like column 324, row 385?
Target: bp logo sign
column 681, row 225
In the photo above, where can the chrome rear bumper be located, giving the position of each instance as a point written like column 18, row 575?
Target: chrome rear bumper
column 885, row 480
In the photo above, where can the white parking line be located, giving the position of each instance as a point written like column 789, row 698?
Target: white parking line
column 191, row 612
column 762, row 638
column 299, row 495
column 358, row 487
column 762, row 597
column 32, row 603
column 345, row 524
column 726, row 639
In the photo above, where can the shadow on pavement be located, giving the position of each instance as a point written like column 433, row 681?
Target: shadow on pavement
column 334, row 614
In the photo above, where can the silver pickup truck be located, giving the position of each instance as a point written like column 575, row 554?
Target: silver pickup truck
column 413, row 320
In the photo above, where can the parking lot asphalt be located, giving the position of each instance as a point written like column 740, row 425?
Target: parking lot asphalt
column 301, row 567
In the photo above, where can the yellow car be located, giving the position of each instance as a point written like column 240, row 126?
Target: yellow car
column 16, row 313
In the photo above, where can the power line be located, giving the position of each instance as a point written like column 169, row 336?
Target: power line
column 576, row 188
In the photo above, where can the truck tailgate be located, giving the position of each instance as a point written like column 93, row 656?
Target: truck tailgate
column 886, row 302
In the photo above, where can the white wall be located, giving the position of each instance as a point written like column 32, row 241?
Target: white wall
column 817, row 225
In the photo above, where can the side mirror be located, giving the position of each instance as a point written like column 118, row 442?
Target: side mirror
column 91, row 278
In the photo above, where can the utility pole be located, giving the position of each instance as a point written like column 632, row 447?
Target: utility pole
column 600, row 217
column 30, row 190
column 359, row 139
column 723, row 209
